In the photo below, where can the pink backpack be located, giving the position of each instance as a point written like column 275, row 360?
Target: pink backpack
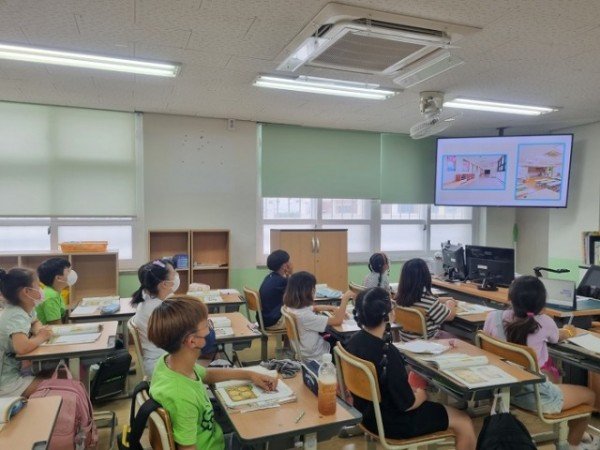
column 75, row 428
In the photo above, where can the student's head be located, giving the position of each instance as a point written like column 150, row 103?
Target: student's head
column 20, row 287
column 179, row 323
column 57, row 273
column 379, row 263
column 373, row 307
column 415, row 280
column 527, row 295
column 279, row 260
column 300, row 290
column 158, row 278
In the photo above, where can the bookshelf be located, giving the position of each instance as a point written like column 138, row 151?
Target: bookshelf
column 207, row 251
column 98, row 273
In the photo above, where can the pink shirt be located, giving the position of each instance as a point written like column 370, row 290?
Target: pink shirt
column 548, row 332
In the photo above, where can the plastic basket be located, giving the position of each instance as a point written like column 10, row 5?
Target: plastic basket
column 83, row 246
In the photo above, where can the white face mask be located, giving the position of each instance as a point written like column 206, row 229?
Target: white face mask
column 176, row 283
column 37, row 301
column 72, row 278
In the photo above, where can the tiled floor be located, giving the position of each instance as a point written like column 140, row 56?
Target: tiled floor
column 121, row 407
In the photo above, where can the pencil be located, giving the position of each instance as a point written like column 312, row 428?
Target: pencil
column 300, row 416
column 571, row 319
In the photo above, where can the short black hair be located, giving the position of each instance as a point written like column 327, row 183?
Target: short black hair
column 277, row 259
column 51, row 268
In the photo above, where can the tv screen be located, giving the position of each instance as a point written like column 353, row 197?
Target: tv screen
column 503, row 171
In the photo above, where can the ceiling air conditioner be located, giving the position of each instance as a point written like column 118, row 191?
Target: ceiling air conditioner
column 355, row 39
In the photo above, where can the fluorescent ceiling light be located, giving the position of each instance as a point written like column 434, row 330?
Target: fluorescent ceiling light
column 325, row 86
column 508, row 108
column 88, row 61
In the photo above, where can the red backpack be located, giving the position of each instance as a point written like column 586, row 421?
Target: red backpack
column 75, row 428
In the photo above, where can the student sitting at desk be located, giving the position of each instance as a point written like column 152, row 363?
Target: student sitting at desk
column 414, row 290
column 20, row 331
column 179, row 326
column 524, row 324
column 272, row 289
column 379, row 265
column 299, row 299
column 56, row 274
column 405, row 414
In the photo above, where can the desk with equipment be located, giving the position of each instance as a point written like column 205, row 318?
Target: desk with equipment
column 102, row 345
column 32, row 426
column 279, row 425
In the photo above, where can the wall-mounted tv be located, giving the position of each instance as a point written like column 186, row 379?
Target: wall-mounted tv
column 503, row 171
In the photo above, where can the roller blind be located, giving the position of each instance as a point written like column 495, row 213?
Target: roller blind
column 407, row 169
column 60, row 161
column 319, row 163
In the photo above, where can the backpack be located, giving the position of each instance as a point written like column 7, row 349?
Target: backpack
column 503, row 431
column 129, row 439
column 111, row 377
column 75, row 428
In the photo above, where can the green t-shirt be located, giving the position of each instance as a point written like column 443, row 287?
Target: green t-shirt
column 188, row 406
column 13, row 319
column 52, row 308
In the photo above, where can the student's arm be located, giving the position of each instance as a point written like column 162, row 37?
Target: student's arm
column 23, row 344
column 36, row 326
column 339, row 314
column 420, row 397
column 261, row 380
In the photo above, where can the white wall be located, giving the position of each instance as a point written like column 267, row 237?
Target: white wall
column 197, row 174
column 496, row 227
column 532, row 248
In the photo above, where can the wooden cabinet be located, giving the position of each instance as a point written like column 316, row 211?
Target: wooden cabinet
column 97, row 273
column 321, row 252
column 207, row 252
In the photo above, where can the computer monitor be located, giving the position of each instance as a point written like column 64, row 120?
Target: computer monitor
column 495, row 265
column 454, row 261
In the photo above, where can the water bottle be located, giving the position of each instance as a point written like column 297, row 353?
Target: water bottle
column 327, row 378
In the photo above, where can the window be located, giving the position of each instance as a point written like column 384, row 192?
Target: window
column 403, row 231
column 45, row 233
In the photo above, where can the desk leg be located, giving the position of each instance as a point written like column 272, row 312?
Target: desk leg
column 264, row 347
column 310, row 441
column 123, row 325
column 74, row 365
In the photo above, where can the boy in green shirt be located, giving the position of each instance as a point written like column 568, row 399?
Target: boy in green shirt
column 179, row 326
column 56, row 274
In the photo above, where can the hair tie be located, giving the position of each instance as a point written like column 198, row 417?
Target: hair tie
column 530, row 314
column 159, row 263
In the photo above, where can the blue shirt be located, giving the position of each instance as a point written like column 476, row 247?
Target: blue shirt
column 271, row 297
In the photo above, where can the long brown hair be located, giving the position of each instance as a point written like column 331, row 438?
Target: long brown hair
column 415, row 280
column 527, row 295
column 299, row 290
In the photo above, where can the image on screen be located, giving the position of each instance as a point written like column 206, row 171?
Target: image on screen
column 503, row 171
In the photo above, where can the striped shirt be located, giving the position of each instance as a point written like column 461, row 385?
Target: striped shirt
column 435, row 314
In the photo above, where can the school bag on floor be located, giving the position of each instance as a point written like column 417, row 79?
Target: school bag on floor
column 503, row 431
column 75, row 428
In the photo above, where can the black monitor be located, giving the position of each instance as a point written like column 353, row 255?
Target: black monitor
column 493, row 264
column 454, row 261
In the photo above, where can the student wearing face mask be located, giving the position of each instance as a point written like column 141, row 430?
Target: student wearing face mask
column 158, row 280
column 56, row 274
column 20, row 331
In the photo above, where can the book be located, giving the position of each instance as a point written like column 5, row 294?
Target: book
column 221, row 332
column 587, row 341
column 99, row 301
column 207, row 296
column 327, row 292
column 465, row 309
column 472, row 371
column 74, row 334
column 220, row 321
column 243, row 395
column 9, row 406
column 422, row 346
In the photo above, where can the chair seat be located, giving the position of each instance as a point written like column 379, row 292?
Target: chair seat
column 579, row 410
column 274, row 332
column 426, row 438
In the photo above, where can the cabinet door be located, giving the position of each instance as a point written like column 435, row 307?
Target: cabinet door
column 300, row 246
column 331, row 258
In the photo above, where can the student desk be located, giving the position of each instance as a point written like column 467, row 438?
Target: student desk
column 230, row 301
column 459, row 390
column 345, row 331
column 122, row 316
column 103, row 346
column 279, row 426
column 243, row 333
column 31, row 428
column 576, row 355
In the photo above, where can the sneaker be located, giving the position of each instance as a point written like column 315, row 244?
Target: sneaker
column 590, row 442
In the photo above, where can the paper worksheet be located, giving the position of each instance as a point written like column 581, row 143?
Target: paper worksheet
column 587, row 341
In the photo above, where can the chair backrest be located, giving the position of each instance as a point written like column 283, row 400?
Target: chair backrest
column 356, row 288
column 137, row 344
column 253, row 304
column 111, row 378
column 522, row 355
column 412, row 320
column 291, row 328
column 159, row 425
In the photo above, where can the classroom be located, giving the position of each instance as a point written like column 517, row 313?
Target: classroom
column 153, row 149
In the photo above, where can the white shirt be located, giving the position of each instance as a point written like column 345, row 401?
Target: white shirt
column 141, row 318
column 310, row 324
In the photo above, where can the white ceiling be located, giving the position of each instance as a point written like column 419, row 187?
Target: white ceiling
column 540, row 52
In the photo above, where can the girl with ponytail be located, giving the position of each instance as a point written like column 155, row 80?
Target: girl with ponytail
column 406, row 414
column 525, row 324
column 379, row 265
